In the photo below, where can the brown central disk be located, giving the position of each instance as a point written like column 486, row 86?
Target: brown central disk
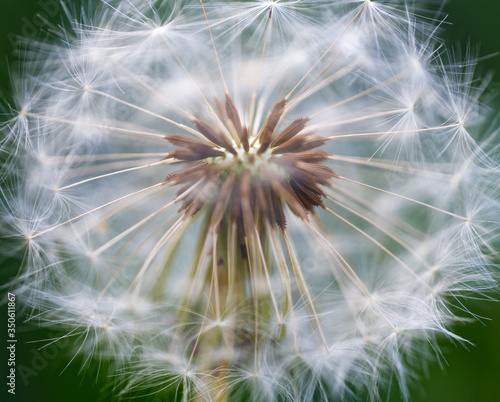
column 234, row 178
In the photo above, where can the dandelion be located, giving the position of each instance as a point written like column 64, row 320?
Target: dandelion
column 264, row 200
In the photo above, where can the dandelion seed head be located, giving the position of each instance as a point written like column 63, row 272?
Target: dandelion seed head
column 264, row 200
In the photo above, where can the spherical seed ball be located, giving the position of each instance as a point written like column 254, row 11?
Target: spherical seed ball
column 267, row 200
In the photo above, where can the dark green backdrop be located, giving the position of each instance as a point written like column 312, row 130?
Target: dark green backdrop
column 469, row 375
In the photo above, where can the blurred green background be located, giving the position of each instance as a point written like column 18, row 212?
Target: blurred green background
column 469, row 374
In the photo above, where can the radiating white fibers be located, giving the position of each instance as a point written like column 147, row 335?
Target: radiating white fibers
column 260, row 200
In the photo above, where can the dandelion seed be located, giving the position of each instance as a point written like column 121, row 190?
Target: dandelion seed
column 267, row 200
